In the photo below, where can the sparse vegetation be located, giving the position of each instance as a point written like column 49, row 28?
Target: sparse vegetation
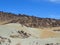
column 29, row 21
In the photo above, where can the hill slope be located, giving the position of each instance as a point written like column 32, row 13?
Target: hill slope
column 29, row 21
column 16, row 34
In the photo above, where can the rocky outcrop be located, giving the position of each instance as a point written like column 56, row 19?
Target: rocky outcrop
column 5, row 41
column 20, row 34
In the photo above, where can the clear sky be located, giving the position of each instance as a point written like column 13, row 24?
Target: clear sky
column 39, row 8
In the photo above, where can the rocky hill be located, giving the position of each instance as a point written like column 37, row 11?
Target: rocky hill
column 21, row 29
column 29, row 21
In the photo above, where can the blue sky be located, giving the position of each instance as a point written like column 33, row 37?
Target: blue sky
column 39, row 8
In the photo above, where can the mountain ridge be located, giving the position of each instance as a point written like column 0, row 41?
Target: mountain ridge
column 29, row 21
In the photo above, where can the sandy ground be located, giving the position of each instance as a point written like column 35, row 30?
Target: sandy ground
column 38, row 36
